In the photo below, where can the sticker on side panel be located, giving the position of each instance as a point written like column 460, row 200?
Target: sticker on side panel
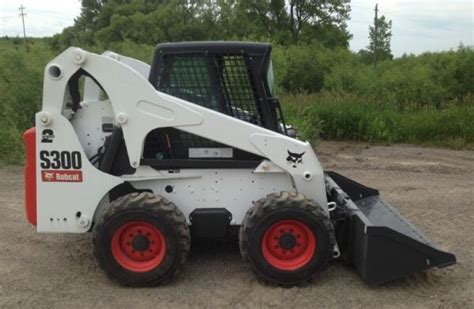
column 58, row 160
column 61, row 176
column 47, row 136
column 295, row 158
column 61, row 166
column 210, row 152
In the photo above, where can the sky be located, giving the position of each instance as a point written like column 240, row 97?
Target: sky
column 418, row 25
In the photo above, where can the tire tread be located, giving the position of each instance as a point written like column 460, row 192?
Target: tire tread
column 157, row 205
column 275, row 202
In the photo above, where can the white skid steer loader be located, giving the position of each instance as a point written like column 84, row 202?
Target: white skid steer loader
column 195, row 146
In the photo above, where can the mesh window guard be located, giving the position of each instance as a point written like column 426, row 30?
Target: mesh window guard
column 221, row 82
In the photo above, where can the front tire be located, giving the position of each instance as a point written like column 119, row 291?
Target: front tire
column 286, row 239
column 141, row 240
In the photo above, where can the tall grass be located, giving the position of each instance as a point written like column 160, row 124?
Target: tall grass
column 355, row 117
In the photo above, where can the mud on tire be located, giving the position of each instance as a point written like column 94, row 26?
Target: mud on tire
column 286, row 238
column 141, row 240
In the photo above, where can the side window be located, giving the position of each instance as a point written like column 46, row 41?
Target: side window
column 239, row 92
column 271, row 80
column 219, row 82
column 188, row 78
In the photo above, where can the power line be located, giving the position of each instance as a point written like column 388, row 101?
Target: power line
column 22, row 15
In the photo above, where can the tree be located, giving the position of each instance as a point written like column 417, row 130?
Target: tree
column 313, row 14
column 380, row 35
column 295, row 21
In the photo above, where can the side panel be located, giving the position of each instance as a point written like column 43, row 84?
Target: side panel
column 232, row 189
column 90, row 122
column 69, row 188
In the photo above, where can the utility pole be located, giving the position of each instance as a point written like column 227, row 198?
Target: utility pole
column 376, row 43
column 22, row 15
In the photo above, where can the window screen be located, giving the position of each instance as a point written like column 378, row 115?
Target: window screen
column 221, row 82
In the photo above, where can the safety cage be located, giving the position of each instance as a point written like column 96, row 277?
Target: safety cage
column 231, row 78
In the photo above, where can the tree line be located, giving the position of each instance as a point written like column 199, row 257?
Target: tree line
column 283, row 22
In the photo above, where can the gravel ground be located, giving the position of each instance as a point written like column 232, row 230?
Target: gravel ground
column 433, row 188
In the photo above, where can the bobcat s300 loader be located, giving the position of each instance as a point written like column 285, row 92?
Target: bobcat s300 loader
column 148, row 158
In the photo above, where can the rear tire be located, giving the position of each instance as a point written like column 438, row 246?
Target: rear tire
column 286, row 238
column 141, row 240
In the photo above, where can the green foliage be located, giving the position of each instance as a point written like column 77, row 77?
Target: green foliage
column 304, row 13
column 149, row 22
column 380, row 35
column 299, row 68
column 431, row 80
column 21, row 75
column 355, row 117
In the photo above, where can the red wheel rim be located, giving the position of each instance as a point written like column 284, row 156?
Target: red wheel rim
column 288, row 245
column 138, row 246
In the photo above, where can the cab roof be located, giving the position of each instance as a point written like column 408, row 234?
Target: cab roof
column 231, row 47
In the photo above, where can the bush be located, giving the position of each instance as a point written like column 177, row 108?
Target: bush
column 430, row 80
column 21, row 78
column 354, row 117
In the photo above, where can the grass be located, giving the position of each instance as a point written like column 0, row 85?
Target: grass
column 352, row 117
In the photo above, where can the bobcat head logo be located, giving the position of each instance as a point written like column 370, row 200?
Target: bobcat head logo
column 48, row 176
column 295, row 158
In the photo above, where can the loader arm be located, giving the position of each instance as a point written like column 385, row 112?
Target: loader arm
column 92, row 90
column 139, row 108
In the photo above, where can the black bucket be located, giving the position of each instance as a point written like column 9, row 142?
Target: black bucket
column 382, row 245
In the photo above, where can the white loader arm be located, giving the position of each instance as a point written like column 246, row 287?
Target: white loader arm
column 139, row 108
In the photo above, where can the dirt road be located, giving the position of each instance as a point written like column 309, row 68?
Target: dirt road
column 434, row 188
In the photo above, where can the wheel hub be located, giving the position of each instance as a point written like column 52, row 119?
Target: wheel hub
column 289, row 245
column 140, row 243
column 138, row 246
column 287, row 241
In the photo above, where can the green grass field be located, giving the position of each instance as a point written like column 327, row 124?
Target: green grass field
column 352, row 117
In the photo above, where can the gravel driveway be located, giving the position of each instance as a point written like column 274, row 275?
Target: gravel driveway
column 433, row 188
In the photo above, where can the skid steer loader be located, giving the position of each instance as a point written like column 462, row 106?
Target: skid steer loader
column 196, row 146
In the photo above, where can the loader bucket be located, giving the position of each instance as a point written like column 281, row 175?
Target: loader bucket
column 375, row 238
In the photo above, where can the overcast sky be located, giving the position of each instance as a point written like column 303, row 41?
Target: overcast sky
column 418, row 25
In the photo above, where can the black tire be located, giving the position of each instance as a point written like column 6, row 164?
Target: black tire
column 127, row 214
column 276, row 210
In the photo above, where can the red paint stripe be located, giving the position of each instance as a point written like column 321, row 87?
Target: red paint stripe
column 29, row 138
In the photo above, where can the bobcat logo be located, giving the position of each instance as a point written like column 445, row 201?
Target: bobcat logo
column 295, row 158
column 48, row 176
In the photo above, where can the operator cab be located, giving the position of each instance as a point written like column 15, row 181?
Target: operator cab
column 233, row 78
